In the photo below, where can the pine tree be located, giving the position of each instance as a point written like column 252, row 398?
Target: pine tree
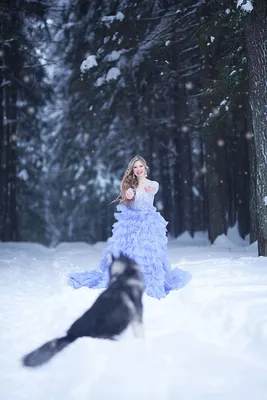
column 224, row 100
column 19, row 98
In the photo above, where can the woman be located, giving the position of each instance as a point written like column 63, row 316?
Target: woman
column 139, row 233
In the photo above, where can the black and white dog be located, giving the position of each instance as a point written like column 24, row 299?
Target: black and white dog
column 119, row 306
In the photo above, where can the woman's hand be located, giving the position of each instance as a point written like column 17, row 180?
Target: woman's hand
column 149, row 189
column 129, row 194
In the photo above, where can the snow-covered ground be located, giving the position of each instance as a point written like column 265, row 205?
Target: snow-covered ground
column 206, row 341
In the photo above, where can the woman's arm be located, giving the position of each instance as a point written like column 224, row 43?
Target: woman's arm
column 152, row 187
column 129, row 194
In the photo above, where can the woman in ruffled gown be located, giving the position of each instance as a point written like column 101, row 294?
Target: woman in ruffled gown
column 139, row 233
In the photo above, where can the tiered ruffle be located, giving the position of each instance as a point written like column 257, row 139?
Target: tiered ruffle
column 140, row 235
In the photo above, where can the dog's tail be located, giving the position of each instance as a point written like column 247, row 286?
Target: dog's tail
column 44, row 353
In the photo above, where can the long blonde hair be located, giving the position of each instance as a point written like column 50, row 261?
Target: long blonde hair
column 130, row 180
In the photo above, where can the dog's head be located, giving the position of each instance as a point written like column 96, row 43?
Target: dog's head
column 125, row 266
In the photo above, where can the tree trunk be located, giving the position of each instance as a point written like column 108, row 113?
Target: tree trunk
column 2, row 148
column 240, row 185
column 183, row 195
column 9, row 68
column 166, row 184
column 198, row 209
column 256, row 37
column 216, row 187
column 253, row 218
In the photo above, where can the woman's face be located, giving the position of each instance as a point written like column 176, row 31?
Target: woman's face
column 139, row 169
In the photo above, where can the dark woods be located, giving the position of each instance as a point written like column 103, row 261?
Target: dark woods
column 183, row 83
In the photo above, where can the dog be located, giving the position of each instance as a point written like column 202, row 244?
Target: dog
column 119, row 306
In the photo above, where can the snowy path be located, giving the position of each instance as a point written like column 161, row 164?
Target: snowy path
column 206, row 341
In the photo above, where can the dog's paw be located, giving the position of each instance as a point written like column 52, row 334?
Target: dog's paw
column 138, row 329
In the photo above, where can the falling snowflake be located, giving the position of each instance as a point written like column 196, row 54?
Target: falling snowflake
column 189, row 85
column 185, row 128
column 167, row 43
column 26, row 79
column 30, row 110
column 220, row 142
column 197, row 151
column 159, row 205
column 204, row 169
column 195, row 191
column 249, row 135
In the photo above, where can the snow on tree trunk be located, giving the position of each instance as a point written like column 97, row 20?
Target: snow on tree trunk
column 256, row 36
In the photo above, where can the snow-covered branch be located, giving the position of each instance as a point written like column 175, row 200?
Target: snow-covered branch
column 245, row 5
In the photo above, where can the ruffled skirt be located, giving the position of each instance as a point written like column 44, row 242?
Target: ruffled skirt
column 140, row 235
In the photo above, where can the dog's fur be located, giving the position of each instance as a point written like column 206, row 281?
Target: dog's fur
column 117, row 307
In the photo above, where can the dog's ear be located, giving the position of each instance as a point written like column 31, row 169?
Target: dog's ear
column 117, row 267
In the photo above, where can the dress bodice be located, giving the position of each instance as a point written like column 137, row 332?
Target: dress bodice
column 143, row 200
